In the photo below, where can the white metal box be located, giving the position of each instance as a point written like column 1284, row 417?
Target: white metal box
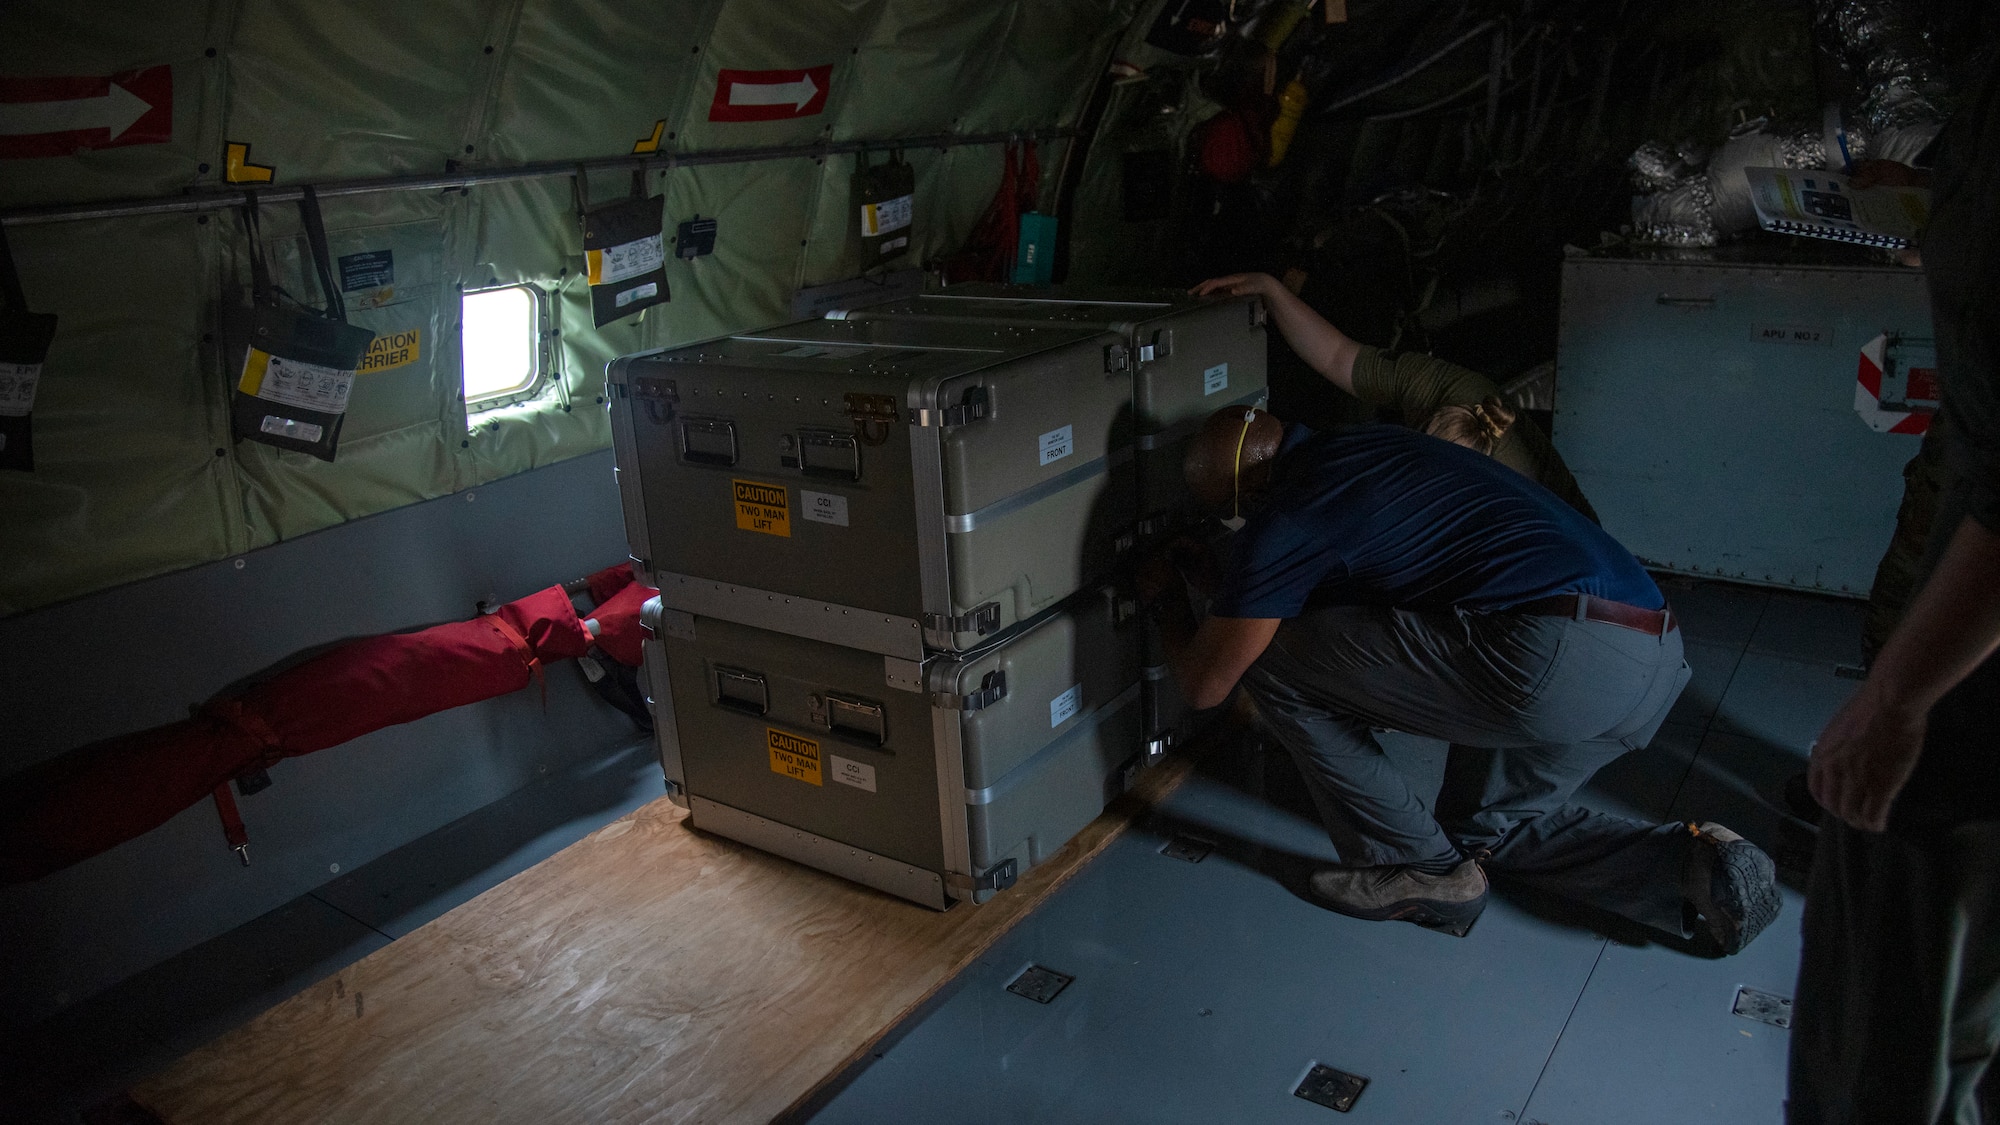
column 1708, row 409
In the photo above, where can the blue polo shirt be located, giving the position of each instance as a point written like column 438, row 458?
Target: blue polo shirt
column 1382, row 515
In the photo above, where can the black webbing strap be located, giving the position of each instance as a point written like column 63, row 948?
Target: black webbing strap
column 260, row 272
column 336, row 309
column 11, row 296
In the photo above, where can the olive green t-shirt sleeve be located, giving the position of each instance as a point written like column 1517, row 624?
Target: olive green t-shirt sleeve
column 1414, row 384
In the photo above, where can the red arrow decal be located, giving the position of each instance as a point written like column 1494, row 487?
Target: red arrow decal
column 769, row 95
column 65, row 116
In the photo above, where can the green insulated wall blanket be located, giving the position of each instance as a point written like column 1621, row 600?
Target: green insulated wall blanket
column 135, row 471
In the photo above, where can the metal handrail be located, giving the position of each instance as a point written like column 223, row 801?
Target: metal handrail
column 223, row 198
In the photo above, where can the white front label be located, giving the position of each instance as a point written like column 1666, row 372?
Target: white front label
column 890, row 214
column 650, row 289
column 851, row 773
column 17, row 388
column 290, row 427
column 630, row 259
column 305, row 385
column 1215, row 379
column 1064, row 705
column 1057, row 444
column 824, row 507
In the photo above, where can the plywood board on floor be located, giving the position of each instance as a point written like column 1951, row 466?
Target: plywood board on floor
column 647, row 973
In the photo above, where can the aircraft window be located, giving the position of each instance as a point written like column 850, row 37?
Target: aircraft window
column 501, row 339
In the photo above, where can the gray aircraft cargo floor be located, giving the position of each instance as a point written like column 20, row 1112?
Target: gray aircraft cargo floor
column 433, row 984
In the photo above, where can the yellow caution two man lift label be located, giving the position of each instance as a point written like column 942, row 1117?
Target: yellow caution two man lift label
column 762, row 507
column 793, row 756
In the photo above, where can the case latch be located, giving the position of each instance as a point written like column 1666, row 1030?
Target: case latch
column 660, row 396
column 981, row 621
column 992, row 689
column 970, row 408
column 872, row 415
column 1161, row 346
column 1117, row 357
column 1155, row 750
column 998, row 877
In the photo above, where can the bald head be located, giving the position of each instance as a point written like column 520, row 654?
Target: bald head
column 1212, row 465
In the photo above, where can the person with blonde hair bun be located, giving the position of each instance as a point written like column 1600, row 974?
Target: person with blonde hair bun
column 1420, row 391
column 1478, row 426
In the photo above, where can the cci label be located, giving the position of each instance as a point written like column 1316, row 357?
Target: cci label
column 823, row 507
column 1215, row 379
column 858, row 774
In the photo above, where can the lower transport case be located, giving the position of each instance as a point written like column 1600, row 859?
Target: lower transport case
column 932, row 782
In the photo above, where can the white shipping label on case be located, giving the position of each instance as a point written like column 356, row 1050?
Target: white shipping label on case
column 614, row 264
column 17, row 388
column 650, row 289
column 890, row 214
column 1064, row 705
column 857, row 774
column 290, row 427
column 1057, row 444
column 824, row 507
column 1215, row 379
column 307, row 386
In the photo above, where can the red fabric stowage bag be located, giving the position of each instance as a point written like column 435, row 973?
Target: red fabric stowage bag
column 608, row 581
column 90, row 799
column 381, row 681
column 70, row 808
column 619, row 632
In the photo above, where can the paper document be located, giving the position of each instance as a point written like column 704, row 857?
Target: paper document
column 1823, row 205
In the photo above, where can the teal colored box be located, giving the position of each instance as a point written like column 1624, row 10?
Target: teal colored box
column 1035, row 261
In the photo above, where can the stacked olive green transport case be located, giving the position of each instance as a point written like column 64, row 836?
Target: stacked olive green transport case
column 889, row 641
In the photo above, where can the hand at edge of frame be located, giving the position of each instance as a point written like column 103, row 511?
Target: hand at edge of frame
column 1863, row 758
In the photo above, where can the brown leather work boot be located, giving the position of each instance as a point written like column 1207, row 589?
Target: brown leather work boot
column 1380, row 894
column 1730, row 885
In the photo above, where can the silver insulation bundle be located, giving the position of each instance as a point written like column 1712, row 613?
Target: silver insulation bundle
column 1691, row 199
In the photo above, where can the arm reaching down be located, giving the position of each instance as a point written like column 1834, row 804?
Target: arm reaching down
column 1206, row 660
column 1325, row 349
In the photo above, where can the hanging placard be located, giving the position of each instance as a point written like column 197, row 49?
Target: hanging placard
column 24, row 344
column 298, row 365
column 624, row 256
column 884, row 201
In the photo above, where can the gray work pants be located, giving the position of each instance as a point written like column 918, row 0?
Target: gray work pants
column 1531, row 705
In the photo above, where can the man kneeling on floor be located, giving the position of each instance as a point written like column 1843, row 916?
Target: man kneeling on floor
column 1382, row 578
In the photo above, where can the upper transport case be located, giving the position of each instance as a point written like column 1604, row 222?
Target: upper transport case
column 889, row 486
column 931, row 783
column 1189, row 357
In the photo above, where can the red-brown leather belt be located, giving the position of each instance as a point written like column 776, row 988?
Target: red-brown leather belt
column 1652, row 622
